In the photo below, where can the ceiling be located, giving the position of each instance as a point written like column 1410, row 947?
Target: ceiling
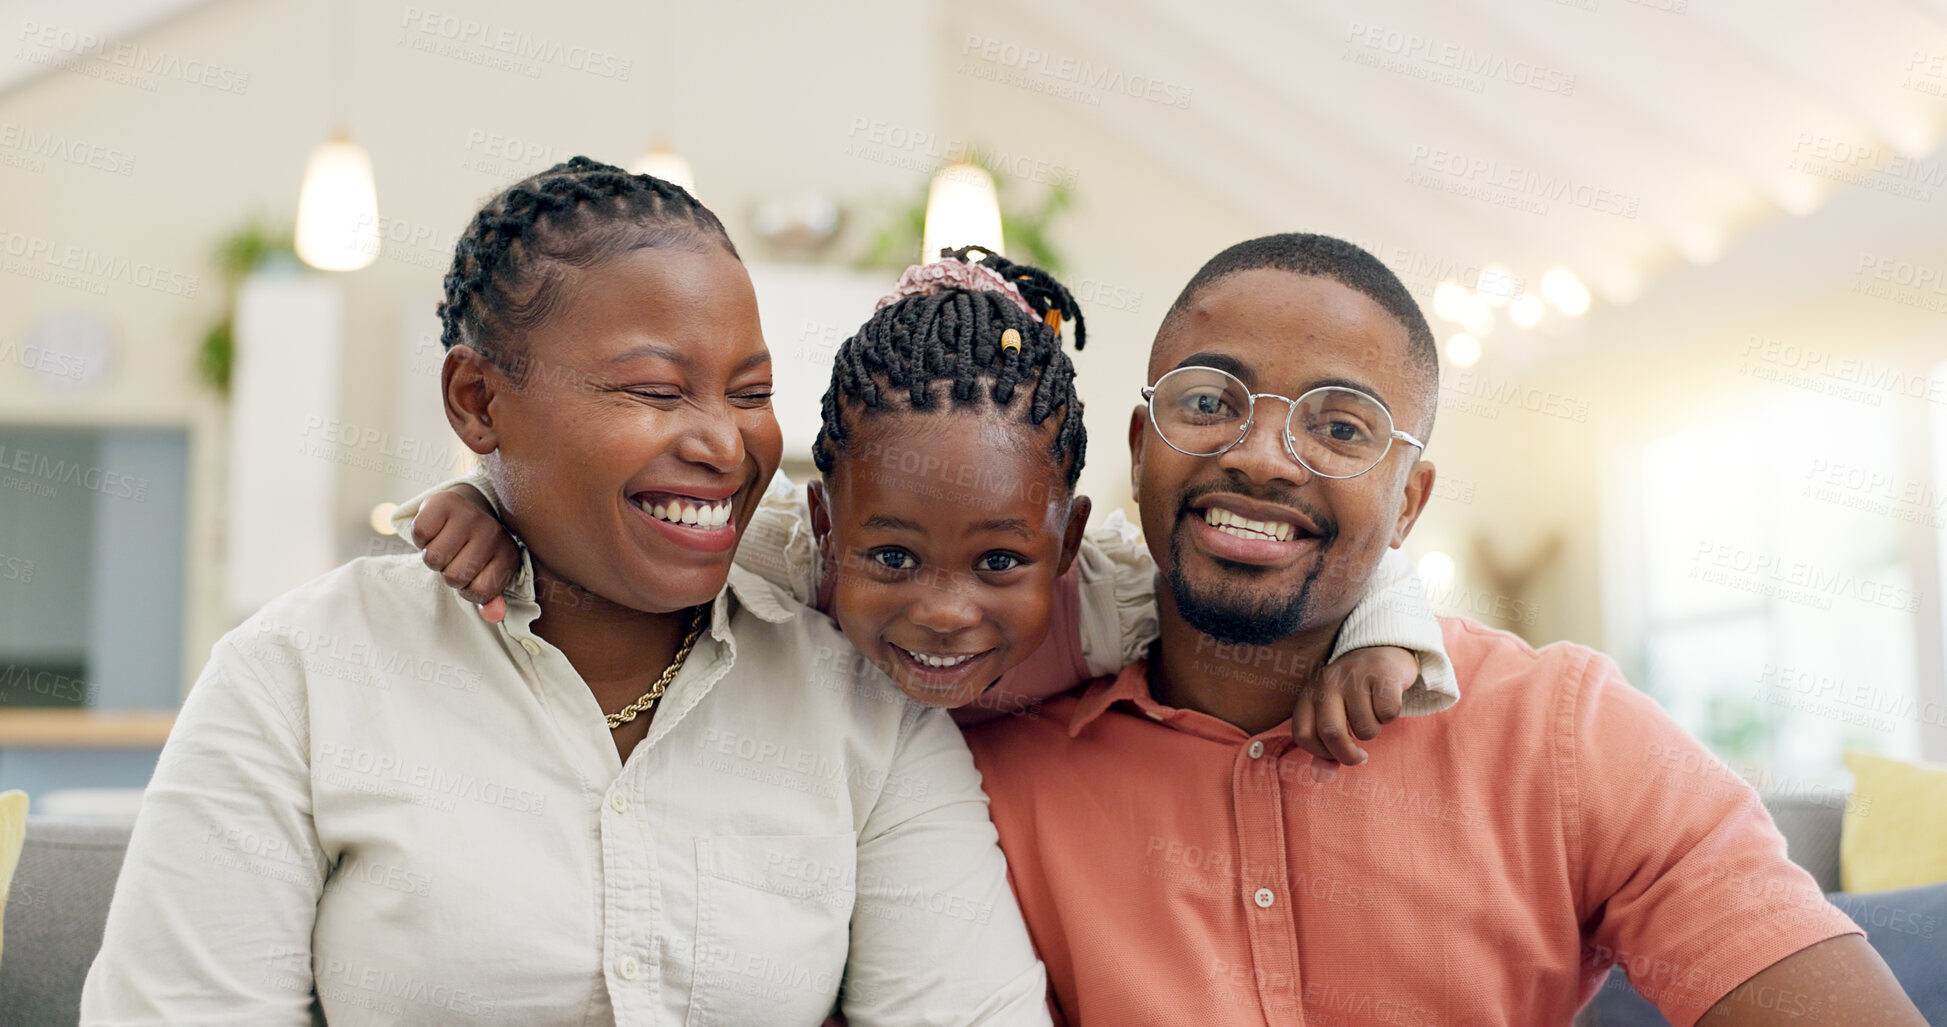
column 1624, row 140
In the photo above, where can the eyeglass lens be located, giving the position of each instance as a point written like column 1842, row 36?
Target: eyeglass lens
column 1336, row 432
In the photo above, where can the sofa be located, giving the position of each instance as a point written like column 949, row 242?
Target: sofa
column 68, row 866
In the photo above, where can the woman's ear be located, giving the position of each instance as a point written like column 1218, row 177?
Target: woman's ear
column 468, row 384
column 1071, row 536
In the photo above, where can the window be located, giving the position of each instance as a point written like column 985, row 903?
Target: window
column 1779, row 598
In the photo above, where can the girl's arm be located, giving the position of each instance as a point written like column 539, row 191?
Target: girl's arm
column 465, row 541
column 1105, row 618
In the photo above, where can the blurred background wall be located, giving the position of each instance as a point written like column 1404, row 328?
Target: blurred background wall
column 1727, row 471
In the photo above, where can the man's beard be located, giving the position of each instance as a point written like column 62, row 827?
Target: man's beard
column 1237, row 615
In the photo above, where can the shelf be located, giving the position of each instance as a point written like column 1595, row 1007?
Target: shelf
column 84, row 729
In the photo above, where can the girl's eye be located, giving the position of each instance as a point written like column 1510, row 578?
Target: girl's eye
column 997, row 561
column 753, row 397
column 893, row 559
column 656, row 395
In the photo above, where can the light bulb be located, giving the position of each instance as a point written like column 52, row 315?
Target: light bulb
column 1496, row 285
column 1560, row 287
column 1449, row 299
column 1437, row 573
column 666, row 164
column 962, row 209
column 1525, row 310
column 381, row 518
column 338, row 208
column 1463, row 349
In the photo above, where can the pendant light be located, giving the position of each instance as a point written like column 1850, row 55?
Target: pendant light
column 962, row 209
column 338, row 205
column 660, row 159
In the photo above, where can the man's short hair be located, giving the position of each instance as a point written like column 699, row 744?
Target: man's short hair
column 1303, row 253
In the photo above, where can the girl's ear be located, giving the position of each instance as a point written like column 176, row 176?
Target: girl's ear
column 1071, row 536
column 468, row 383
column 821, row 514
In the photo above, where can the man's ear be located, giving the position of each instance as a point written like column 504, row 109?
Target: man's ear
column 468, row 384
column 1071, row 535
column 1419, row 489
column 1138, row 437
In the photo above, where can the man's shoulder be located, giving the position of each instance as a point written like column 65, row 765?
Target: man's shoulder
column 1489, row 662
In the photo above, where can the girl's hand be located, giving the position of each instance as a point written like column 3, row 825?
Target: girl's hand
column 1352, row 697
column 467, row 544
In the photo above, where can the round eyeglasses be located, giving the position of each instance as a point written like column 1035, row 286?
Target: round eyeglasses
column 1334, row 431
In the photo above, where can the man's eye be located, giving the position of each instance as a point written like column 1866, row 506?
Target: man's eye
column 893, row 559
column 996, row 562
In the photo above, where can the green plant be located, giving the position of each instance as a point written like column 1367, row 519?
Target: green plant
column 247, row 249
column 1026, row 224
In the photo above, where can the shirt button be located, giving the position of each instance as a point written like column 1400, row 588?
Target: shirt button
column 1257, row 749
column 533, row 648
column 626, row 968
column 1264, row 898
column 618, row 802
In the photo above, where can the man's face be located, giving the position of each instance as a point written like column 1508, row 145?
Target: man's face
column 1286, row 334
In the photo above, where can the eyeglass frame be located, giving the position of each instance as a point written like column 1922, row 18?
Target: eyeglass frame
column 1291, row 406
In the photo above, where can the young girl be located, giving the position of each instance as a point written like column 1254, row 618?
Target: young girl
column 946, row 539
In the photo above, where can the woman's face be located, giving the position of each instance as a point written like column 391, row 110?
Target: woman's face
column 946, row 532
column 631, row 456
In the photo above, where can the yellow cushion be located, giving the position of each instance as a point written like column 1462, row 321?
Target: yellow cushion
column 13, row 831
column 1895, row 828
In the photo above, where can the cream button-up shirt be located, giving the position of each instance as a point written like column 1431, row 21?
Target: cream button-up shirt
column 376, row 807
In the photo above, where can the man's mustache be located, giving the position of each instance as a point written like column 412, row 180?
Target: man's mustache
column 1328, row 526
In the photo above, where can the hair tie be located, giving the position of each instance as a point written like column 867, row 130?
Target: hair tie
column 942, row 275
column 1053, row 317
column 1010, row 341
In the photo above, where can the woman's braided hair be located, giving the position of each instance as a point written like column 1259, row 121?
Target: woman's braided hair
column 954, row 335
column 510, row 263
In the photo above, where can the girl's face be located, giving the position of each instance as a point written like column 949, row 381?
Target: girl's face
column 647, row 389
column 946, row 532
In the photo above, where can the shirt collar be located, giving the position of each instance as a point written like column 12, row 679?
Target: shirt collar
column 1132, row 686
column 763, row 599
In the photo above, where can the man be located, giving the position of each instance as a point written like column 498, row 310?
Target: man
column 1178, row 859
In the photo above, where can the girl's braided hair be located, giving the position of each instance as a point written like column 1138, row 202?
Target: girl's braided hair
column 909, row 347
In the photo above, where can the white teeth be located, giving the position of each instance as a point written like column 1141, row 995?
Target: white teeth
column 1243, row 527
column 930, row 660
column 711, row 515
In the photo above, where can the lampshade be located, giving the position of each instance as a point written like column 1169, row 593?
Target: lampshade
column 338, row 208
column 666, row 164
column 962, row 209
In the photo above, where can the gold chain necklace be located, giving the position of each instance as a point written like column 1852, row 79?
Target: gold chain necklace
column 655, row 692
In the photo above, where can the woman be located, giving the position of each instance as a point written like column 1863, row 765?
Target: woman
column 644, row 797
